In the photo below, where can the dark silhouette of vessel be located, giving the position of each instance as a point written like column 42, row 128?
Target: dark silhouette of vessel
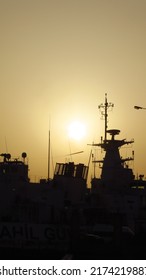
column 117, row 186
column 62, row 216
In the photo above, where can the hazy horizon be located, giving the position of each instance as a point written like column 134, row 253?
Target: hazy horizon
column 58, row 59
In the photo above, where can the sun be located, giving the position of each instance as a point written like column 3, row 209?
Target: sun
column 76, row 130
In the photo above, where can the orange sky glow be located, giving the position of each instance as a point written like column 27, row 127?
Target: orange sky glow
column 58, row 59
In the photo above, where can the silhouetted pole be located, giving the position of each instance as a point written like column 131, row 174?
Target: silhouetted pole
column 49, row 156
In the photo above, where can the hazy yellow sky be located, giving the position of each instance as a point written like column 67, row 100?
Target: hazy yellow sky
column 58, row 58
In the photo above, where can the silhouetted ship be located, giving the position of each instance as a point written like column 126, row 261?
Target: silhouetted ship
column 117, row 190
column 62, row 216
column 38, row 217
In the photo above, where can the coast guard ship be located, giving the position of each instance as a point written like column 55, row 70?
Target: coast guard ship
column 64, row 215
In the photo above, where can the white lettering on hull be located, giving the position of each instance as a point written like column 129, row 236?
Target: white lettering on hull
column 40, row 234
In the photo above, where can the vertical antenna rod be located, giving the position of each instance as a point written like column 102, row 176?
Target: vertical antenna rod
column 49, row 153
column 49, row 156
column 104, row 109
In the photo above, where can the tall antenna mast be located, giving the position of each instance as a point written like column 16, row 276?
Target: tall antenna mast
column 49, row 153
column 104, row 111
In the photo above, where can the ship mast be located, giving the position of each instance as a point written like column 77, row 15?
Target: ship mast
column 112, row 164
column 104, row 111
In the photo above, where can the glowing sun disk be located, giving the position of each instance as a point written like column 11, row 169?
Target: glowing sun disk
column 76, row 130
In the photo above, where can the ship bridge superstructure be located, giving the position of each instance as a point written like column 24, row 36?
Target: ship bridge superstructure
column 114, row 169
column 13, row 170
